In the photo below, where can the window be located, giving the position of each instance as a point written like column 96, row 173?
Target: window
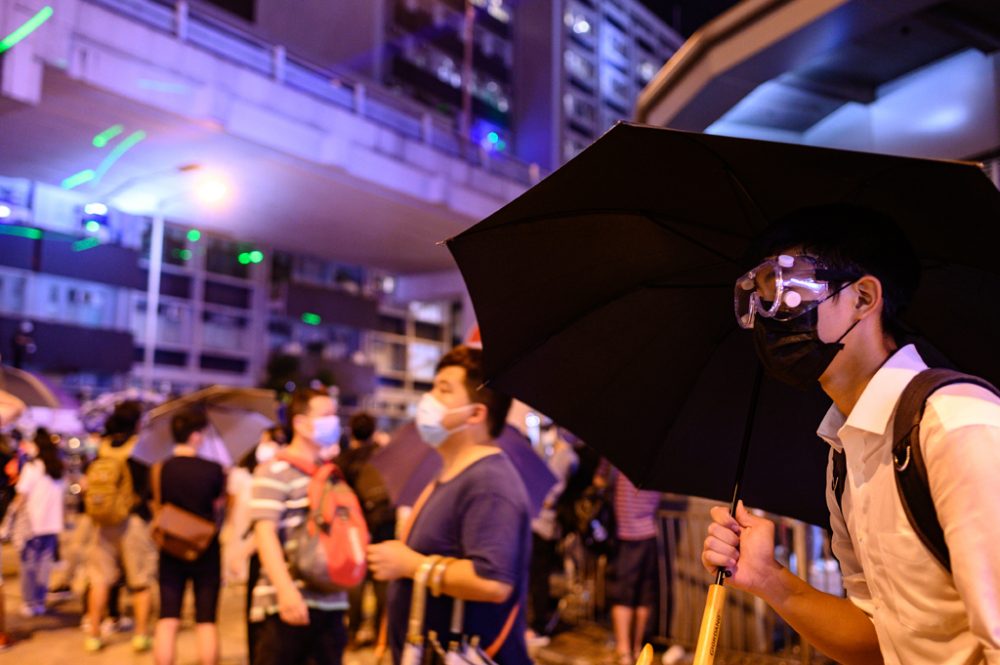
column 12, row 293
column 222, row 258
column 578, row 66
column 579, row 109
column 242, row 8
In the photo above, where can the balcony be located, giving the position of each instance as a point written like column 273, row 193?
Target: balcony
column 301, row 142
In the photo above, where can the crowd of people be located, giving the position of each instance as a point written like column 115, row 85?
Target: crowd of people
column 493, row 553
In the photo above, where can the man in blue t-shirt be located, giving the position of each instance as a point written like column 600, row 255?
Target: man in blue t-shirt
column 476, row 511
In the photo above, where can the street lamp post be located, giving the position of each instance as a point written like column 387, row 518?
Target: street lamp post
column 153, row 296
column 157, row 230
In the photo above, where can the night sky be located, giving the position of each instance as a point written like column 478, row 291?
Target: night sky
column 691, row 14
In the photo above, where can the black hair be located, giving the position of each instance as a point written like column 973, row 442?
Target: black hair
column 186, row 422
column 48, row 452
column 299, row 404
column 123, row 422
column 362, row 426
column 497, row 404
column 852, row 240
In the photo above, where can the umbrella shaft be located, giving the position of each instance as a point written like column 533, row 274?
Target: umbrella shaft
column 711, row 626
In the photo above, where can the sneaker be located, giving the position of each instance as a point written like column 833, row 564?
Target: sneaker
column 61, row 592
column 141, row 643
column 6, row 641
column 92, row 644
column 124, row 624
column 28, row 611
column 674, row 655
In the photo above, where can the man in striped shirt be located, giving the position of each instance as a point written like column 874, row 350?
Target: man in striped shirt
column 299, row 624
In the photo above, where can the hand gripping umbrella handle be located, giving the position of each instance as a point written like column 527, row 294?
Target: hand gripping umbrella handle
column 711, row 626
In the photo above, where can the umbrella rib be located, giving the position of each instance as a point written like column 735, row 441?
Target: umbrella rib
column 559, row 214
column 667, row 226
column 732, row 176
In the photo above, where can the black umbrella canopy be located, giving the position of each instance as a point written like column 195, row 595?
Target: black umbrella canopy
column 604, row 298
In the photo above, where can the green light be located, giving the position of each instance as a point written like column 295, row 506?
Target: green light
column 493, row 137
column 501, row 145
column 256, row 256
column 26, row 29
column 186, row 254
column 21, row 232
column 118, row 151
column 86, row 243
column 92, row 226
column 78, row 179
column 244, row 258
column 194, row 235
column 311, row 319
column 102, row 139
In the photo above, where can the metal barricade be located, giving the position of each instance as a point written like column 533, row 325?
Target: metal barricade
column 751, row 631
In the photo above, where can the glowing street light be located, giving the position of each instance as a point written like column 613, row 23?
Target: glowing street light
column 212, row 190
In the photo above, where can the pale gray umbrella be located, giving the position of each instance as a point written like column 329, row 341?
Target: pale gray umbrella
column 236, row 416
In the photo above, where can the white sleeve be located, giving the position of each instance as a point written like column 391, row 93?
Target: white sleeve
column 960, row 440
column 29, row 476
column 855, row 583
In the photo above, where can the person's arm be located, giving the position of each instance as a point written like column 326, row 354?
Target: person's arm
column 745, row 546
column 392, row 560
column 963, row 461
column 266, row 508
column 291, row 606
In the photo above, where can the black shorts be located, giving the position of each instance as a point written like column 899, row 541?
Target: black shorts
column 632, row 579
column 205, row 574
column 321, row 642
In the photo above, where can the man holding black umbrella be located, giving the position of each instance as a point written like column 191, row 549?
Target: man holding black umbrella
column 824, row 307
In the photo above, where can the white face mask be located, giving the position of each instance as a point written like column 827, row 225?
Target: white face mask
column 265, row 452
column 430, row 413
column 326, row 431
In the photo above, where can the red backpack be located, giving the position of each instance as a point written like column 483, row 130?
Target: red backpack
column 327, row 551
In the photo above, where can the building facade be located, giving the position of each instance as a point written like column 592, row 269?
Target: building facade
column 580, row 65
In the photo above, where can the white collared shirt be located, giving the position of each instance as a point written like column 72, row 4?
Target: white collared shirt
column 921, row 613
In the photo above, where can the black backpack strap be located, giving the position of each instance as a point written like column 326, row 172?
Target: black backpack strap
column 910, row 469
column 838, row 478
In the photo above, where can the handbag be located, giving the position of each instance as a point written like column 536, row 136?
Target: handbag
column 178, row 532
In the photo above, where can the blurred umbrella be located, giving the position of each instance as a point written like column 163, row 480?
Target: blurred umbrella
column 94, row 412
column 33, row 390
column 407, row 464
column 237, row 417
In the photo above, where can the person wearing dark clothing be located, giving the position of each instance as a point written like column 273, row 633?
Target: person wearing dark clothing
column 380, row 515
column 198, row 486
column 476, row 511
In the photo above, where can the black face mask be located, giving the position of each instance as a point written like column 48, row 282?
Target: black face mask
column 792, row 352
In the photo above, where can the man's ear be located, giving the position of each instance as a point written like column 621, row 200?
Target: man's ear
column 867, row 293
column 479, row 414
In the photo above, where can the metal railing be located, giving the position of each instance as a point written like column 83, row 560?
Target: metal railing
column 751, row 631
column 350, row 92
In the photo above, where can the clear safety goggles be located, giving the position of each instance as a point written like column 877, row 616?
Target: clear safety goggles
column 784, row 287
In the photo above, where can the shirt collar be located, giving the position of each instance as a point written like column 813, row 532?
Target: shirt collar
column 875, row 407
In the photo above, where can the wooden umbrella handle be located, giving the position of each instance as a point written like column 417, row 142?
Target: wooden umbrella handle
column 711, row 626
